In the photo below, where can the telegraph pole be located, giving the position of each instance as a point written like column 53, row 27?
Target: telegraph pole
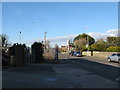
column 45, row 42
column 20, row 37
column 87, row 45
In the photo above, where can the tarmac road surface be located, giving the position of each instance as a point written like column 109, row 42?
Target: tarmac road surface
column 71, row 72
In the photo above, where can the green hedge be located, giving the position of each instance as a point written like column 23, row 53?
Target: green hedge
column 113, row 49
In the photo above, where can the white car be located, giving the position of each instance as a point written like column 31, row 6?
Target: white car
column 114, row 57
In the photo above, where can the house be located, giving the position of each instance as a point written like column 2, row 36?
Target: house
column 64, row 48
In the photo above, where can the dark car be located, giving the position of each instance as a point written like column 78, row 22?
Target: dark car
column 71, row 53
column 78, row 54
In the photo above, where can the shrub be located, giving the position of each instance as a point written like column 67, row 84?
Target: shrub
column 48, row 56
column 113, row 49
column 98, row 47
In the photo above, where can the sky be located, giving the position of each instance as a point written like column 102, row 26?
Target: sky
column 61, row 20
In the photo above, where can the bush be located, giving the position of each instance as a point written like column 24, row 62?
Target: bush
column 98, row 47
column 113, row 49
column 48, row 56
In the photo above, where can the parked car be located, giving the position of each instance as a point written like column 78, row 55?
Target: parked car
column 78, row 54
column 71, row 53
column 114, row 57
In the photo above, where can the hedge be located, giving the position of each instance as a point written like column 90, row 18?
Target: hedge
column 113, row 49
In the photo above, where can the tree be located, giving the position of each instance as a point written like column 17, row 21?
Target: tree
column 4, row 39
column 79, row 44
column 113, row 49
column 81, row 41
column 90, row 40
column 100, row 45
column 113, row 41
column 47, row 45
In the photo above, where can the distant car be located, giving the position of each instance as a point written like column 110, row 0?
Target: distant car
column 114, row 57
column 71, row 53
column 78, row 54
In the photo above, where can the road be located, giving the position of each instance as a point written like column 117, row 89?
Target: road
column 90, row 58
column 71, row 72
column 96, row 65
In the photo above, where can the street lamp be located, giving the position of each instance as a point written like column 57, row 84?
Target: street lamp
column 20, row 37
column 87, row 45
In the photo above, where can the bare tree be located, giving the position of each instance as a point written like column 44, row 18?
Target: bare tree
column 79, row 44
column 4, row 39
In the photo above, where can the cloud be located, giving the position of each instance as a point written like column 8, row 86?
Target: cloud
column 63, row 40
column 114, row 32
column 56, row 40
column 108, row 33
column 97, row 35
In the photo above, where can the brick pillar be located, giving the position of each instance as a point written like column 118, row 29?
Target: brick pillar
column 19, row 55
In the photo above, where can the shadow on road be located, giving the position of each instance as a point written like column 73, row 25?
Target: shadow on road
column 69, row 72
column 100, row 69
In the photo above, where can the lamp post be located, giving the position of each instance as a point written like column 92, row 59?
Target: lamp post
column 20, row 37
column 87, row 45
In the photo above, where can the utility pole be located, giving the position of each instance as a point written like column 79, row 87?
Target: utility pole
column 20, row 37
column 68, row 44
column 45, row 42
column 87, row 45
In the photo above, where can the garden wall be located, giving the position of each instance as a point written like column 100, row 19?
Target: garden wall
column 98, row 54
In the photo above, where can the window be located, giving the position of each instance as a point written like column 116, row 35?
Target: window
column 118, row 54
column 113, row 54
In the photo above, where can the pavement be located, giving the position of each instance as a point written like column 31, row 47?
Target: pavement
column 69, row 73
